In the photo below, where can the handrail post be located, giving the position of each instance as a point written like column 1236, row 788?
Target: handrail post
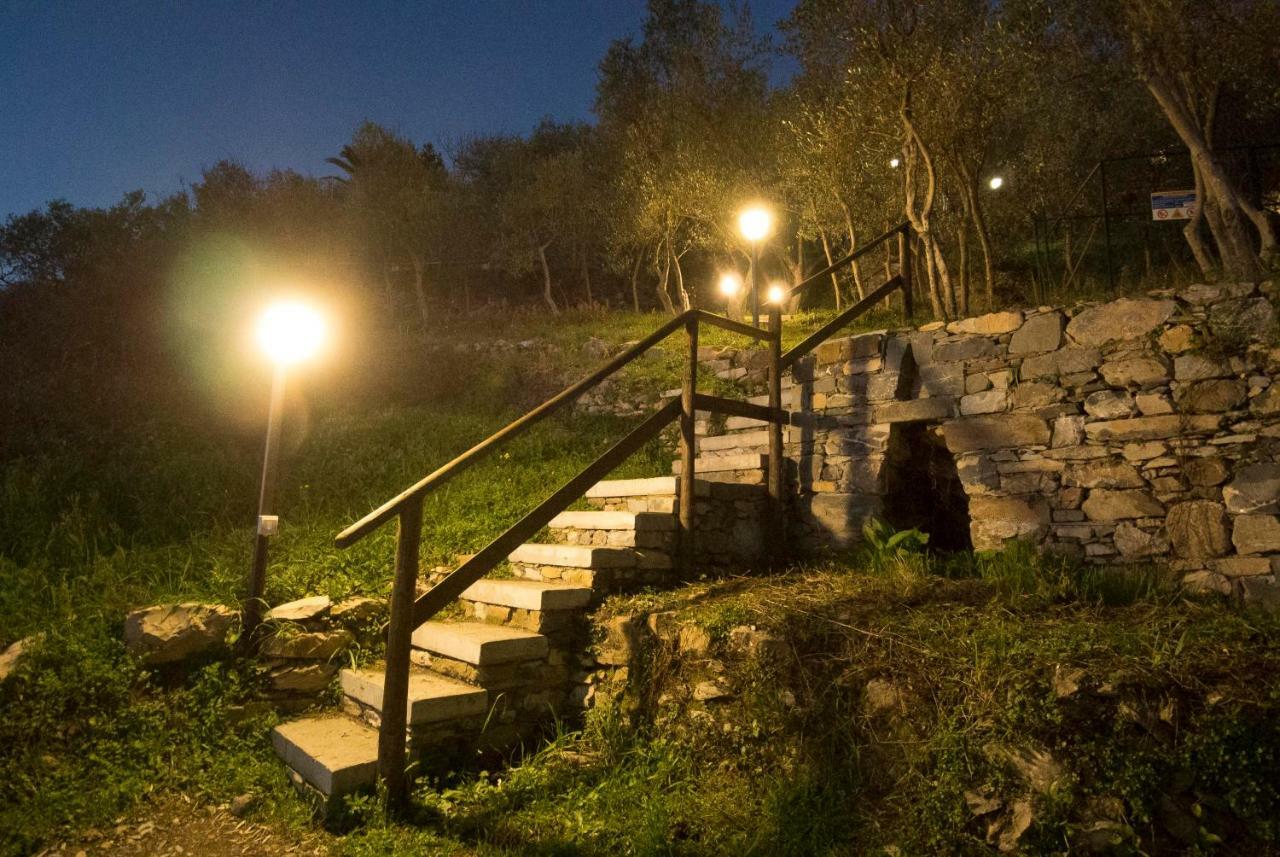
column 777, row 509
column 904, row 257
column 688, row 449
column 395, row 689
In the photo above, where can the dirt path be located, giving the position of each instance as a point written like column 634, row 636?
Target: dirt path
column 178, row 826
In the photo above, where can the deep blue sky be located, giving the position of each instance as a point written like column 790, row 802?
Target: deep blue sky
column 99, row 98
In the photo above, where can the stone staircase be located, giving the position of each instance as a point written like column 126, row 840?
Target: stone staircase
column 516, row 651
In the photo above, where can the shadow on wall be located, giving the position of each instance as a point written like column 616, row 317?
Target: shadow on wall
column 923, row 489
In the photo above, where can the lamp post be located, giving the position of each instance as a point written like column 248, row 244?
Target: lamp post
column 289, row 333
column 755, row 223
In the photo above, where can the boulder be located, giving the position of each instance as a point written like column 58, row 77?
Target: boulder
column 995, row 520
column 168, row 633
column 1123, row 319
column 1254, row 490
column 1109, row 404
column 1038, row 334
column 1251, row 319
column 595, row 348
column 1198, row 529
column 1256, row 533
column 301, row 679
column 1211, row 397
column 358, row 611
column 302, row 610
column 1205, row 582
column 991, row 324
column 1105, row 504
column 320, row 645
column 1135, row 371
column 971, row 434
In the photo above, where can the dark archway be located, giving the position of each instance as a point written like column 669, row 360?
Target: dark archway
column 923, row 488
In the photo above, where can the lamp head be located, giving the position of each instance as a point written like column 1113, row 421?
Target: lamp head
column 996, row 183
column 291, row 332
column 755, row 223
column 730, row 284
column 894, row 163
column 777, row 293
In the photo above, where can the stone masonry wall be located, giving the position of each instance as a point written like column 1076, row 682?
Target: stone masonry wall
column 1138, row 430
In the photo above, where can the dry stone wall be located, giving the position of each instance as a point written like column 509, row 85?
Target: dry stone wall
column 1143, row 429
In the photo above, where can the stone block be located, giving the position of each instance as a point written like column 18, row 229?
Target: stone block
column 432, row 698
column 964, row 349
column 1126, row 318
column 839, row 517
column 1101, row 473
column 1197, row 367
column 1205, row 472
column 478, row 643
column 168, row 633
column 1105, row 504
column 319, row 645
column 991, row 324
column 302, row 610
column 915, row 410
column 1153, row 404
column 1209, row 397
column 1177, row 339
column 1256, row 533
column 1135, row 371
column 971, row 434
column 1198, row 529
column 989, row 402
column 1135, row 543
column 1151, row 428
column 334, row 754
column 1109, row 404
column 996, row 520
column 1254, row 490
column 1038, row 334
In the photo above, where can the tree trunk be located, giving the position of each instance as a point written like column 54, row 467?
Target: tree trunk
column 546, row 279
column 635, row 281
column 835, row 281
column 853, row 245
column 962, row 247
column 685, row 303
column 1192, row 232
column 664, row 298
column 941, row 294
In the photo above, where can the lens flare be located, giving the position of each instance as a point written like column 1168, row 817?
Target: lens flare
column 291, row 332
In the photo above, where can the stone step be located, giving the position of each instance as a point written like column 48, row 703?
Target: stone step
column 528, row 594
column 432, row 698
column 741, row 423
column 659, row 521
column 749, row 461
column 478, row 643
column 574, row 556
column 332, row 753
column 759, row 437
column 655, row 486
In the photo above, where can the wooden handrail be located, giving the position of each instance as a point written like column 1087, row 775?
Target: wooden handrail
column 389, row 509
column 733, row 326
column 849, row 258
column 821, row 334
column 735, row 408
column 518, row 533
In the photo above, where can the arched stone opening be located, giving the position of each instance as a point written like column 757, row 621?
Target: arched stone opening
column 923, row 488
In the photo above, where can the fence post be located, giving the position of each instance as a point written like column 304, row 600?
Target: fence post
column 395, row 689
column 904, row 269
column 777, row 510
column 688, row 448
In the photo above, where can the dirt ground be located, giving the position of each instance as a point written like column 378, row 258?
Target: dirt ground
column 178, row 826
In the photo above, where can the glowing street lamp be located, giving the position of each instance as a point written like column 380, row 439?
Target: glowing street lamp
column 755, row 223
column 289, row 333
column 777, row 293
column 996, row 183
column 894, row 163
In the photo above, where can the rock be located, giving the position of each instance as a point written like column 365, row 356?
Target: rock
column 320, row 645
column 1122, row 319
column 1194, row 367
column 1008, row 830
column 981, row 804
column 758, row 644
column 988, row 402
column 1251, row 319
column 995, row 520
column 1033, row 394
column 1205, row 472
column 991, row 324
column 1101, row 473
column 168, row 633
column 971, row 434
column 1205, row 582
column 1153, row 404
column 1067, row 431
column 1104, row 504
column 1135, row 543
column 302, row 610
column 1038, row 768
column 1256, row 533
column 1260, row 592
column 624, row 636
column 1151, row 428
column 1198, row 529
column 964, row 349
column 595, row 348
column 240, row 805
column 358, row 611
column 301, row 679
column 1108, row 404
column 1178, row 339
column 1209, row 397
column 1038, row 334
column 709, row 691
column 1267, row 403
column 1064, row 361
column 10, row 656
column 693, row 640
column 1255, row 489
column 881, row 696
column 976, row 383
column 1136, row 371
column 1242, row 566
column 1066, row 681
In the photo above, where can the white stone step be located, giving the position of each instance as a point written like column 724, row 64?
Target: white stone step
column 653, row 486
column 731, row 441
column 750, row 461
column 334, row 754
column 740, row 423
column 479, row 644
column 528, row 594
column 574, row 556
column 613, row 521
column 432, row 697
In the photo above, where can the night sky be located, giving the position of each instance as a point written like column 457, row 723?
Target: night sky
column 99, row 98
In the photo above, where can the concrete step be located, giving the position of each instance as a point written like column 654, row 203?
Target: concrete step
column 613, row 521
column 759, row 437
column 332, row 753
column 479, row 644
column 528, row 594
column 432, row 698
column 740, row 423
column 574, row 556
column 653, row 486
column 750, row 461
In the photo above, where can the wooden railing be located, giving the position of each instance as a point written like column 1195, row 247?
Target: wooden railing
column 408, row 612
